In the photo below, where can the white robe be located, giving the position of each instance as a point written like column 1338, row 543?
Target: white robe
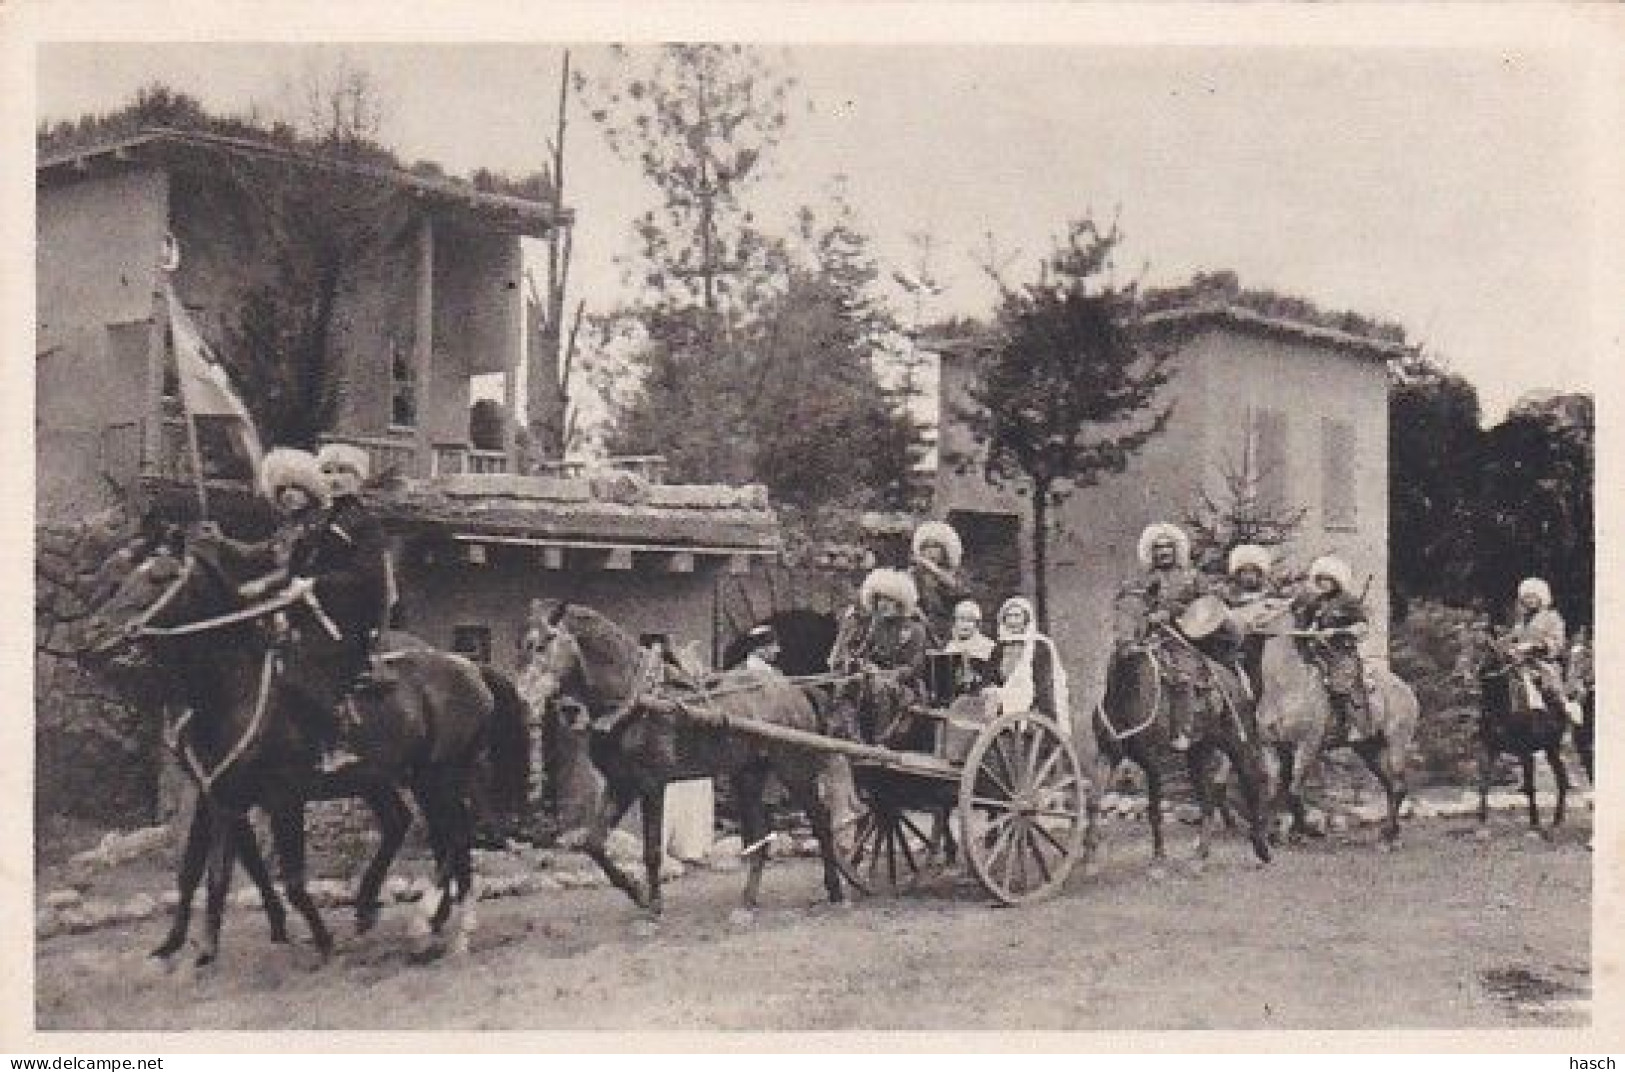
column 1018, row 693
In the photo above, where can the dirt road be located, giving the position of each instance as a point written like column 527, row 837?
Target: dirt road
column 1447, row 932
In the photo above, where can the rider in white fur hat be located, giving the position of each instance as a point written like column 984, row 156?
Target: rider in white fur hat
column 937, row 556
column 1540, row 639
column 292, row 479
column 1170, row 583
column 1333, row 609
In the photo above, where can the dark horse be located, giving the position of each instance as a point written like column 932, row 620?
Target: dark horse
column 243, row 676
column 1153, row 669
column 1510, row 724
column 640, row 742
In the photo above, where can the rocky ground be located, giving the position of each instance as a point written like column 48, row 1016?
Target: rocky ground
column 1451, row 931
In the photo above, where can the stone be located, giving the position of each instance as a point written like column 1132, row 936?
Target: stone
column 141, row 906
column 64, row 899
column 621, row 845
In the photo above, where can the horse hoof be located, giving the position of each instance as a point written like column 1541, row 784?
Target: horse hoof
column 742, row 917
column 203, row 959
column 1158, row 873
column 1537, row 835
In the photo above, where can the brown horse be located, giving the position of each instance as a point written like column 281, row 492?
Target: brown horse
column 1295, row 716
column 641, row 741
column 1510, row 724
column 1154, row 671
column 180, row 610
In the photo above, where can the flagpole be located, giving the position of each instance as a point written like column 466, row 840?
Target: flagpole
column 171, row 262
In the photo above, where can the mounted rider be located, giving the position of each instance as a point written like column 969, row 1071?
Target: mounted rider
column 1331, row 609
column 884, row 640
column 937, row 554
column 1539, row 642
column 329, row 544
column 1252, row 601
column 1168, row 587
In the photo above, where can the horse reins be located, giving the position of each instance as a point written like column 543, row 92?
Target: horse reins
column 183, row 748
column 1156, row 704
column 139, row 628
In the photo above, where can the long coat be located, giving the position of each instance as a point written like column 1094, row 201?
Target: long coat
column 344, row 555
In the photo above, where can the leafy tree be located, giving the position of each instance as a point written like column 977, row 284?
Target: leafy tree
column 1434, row 436
column 701, row 121
column 1072, row 389
column 1535, row 509
column 754, row 350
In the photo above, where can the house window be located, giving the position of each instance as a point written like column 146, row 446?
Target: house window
column 472, row 641
column 403, row 394
column 1267, row 450
column 1339, row 486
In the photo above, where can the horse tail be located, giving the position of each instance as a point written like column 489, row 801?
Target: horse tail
column 507, row 743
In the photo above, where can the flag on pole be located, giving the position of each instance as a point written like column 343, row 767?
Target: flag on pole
column 227, row 438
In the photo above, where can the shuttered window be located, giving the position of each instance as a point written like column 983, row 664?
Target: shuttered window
column 1269, row 459
column 1339, row 487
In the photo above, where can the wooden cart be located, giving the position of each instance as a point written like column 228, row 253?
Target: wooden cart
column 1013, row 785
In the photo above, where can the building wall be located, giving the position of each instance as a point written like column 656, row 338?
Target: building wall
column 1220, row 374
column 97, row 247
column 444, row 595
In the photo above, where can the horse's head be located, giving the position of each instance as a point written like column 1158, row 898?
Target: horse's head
column 1484, row 653
column 165, row 582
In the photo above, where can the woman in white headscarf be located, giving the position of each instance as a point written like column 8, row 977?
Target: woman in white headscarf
column 1029, row 668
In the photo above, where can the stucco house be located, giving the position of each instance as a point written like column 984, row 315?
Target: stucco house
column 1304, row 405
column 474, row 541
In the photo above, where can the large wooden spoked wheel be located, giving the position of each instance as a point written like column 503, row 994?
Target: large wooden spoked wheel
column 1022, row 808
column 891, row 842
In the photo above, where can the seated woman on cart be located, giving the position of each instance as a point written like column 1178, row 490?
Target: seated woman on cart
column 1030, row 674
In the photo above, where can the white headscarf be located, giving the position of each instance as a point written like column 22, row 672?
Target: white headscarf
column 1020, row 689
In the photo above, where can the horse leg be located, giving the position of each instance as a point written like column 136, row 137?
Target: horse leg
column 1197, row 762
column 193, row 857
column 288, row 828
column 1153, row 806
column 616, row 800
column 394, row 819
column 461, row 896
column 1527, row 761
column 221, row 858
column 1560, row 774
column 1486, row 772
column 804, row 792
column 248, row 851
column 653, row 805
column 750, row 793
column 1371, row 753
column 1248, row 768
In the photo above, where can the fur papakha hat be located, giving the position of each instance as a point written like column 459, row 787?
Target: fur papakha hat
column 1538, row 587
column 1155, row 534
column 893, row 584
column 346, row 456
column 286, row 467
column 1335, row 568
column 943, row 535
column 1249, row 554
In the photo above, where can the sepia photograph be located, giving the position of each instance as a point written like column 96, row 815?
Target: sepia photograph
column 692, row 532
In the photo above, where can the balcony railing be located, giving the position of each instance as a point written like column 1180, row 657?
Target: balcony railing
column 452, row 459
